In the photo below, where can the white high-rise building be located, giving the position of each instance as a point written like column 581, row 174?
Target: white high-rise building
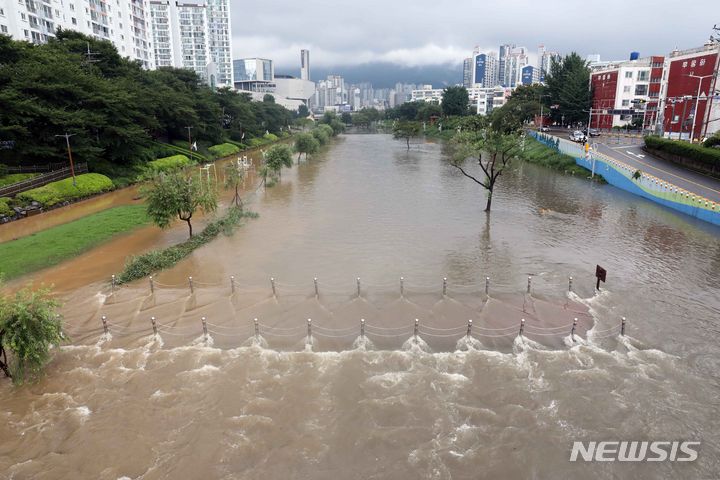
column 305, row 64
column 194, row 34
column 125, row 23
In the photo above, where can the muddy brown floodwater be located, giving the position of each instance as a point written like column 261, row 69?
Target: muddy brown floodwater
column 320, row 400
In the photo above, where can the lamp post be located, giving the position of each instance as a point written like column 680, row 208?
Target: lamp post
column 69, row 150
column 697, row 101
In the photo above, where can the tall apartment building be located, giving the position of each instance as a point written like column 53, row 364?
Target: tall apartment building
column 502, row 60
column 125, row 23
column 545, row 61
column 485, row 72
column 305, row 64
column 194, row 34
column 468, row 72
column 515, row 60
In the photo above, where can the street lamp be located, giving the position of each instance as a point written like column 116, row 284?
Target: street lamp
column 69, row 150
column 697, row 100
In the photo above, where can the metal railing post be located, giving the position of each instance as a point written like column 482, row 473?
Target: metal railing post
column 522, row 327
column 572, row 332
column 358, row 287
column 152, row 285
column 257, row 329
column 204, row 324
column 232, row 284
column 272, row 284
column 154, row 325
column 444, row 287
column 192, row 289
column 402, row 286
column 417, row 328
column 622, row 327
column 469, row 329
column 317, row 294
column 362, row 327
column 104, row 322
column 570, row 285
column 487, row 285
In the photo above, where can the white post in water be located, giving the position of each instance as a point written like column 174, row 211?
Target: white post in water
column 154, row 325
column 112, row 285
column 309, row 322
column 362, row 328
column 522, row 327
column 444, row 286
column 529, row 283
column 232, row 283
column 487, row 285
column 402, row 286
column 272, row 284
column 622, row 327
column 572, row 332
column 152, row 285
column 192, row 290
column 105, row 327
column 257, row 329
column 469, row 330
column 317, row 294
column 570, row 284
column 204, row 324
column 417, row 327
column 358, row 286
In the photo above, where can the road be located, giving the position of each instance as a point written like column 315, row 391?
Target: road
column 629, row 151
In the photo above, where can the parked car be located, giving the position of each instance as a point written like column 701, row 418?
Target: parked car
column 544, row 128
column 594, row 132
column 577, row 136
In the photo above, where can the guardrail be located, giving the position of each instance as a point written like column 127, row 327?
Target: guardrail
column 50, row 167
column 39, row 181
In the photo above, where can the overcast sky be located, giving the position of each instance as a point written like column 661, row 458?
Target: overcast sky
column 431, row 32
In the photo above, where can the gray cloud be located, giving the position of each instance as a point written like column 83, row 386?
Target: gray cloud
column 425, row 32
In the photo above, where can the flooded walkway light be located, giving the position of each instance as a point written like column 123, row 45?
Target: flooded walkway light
column 152, row 285
column 272, row 284
column 204, row 324
column 309, row 324
column 469, row 330
column 362, row 327
column 402, row 286
column 417, row 327
column 104, row 322
column 572, row 332
column 622, row 327
column 112, row 284
column 257, row 329
column 154, row 325
column 522, row 327
column 192, row 290
column 317, row 294
column 444, row 286
column 232, row 283
column 487, row 285
column 529, row 283
column 358, row 286
column 570, row 284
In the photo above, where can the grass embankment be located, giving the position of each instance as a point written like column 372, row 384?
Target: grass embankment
column 6, row 180
column 143, row 265
column 56, row 192
column 52, row 246
column 537, row 153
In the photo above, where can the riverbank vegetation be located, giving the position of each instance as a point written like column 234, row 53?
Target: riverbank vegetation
column 67, row 190
column 54, row 245
column 29, row 328
column 156, row 260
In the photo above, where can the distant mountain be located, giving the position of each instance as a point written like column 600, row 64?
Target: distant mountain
column 386, row 75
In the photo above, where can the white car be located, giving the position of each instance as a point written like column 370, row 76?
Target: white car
column 577, row 136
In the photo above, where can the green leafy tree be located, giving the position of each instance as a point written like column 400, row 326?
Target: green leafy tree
column 406, row 130
column 567, row 85
column 234, row 176
column 29, row 328
column 277, row 157
column 493, row 152
column 175, row 195
column 303, row 111
column 307, row 144
column 455, row 101
column 346, row 118
column 321, row 135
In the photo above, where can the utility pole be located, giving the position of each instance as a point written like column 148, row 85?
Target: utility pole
column 69, row 150
column 190, row 143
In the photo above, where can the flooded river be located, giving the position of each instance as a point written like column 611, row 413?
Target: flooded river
column 387, row 404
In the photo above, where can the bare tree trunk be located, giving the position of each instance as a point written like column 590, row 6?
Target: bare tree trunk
column 408, row 142
column 489, row 201
column 3, row 363
column 189, row 224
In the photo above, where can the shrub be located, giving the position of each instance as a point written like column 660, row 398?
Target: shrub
column 240, row 145
column 5, row 209
column 256, row 142
column 15, row 178
column 64, row 190
column 270, row 137
column 168, row 164
column 707, row 156
column 320, row 135
column 223, row 150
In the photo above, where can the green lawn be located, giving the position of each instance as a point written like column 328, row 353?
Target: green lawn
column 52, row 246
column 15, row 178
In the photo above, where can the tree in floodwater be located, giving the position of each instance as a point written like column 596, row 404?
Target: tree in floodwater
column 406, row 130
column 277, row 157
column 29, row 327
column 173, row 195
column 234, row 176
column 493, row 152
column 307, row 144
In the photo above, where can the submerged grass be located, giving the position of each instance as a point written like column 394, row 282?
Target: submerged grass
column 143, row 265
column 540, row 154
column 52, row 246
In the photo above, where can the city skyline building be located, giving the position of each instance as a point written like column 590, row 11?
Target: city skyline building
column 305, row 64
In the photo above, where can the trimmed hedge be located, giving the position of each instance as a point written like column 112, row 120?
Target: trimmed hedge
column 64, row 190
column 5, row 209
column 240, row 145
column 270, row 137
column 168, row 164
column 223, row 150
column 691, row 151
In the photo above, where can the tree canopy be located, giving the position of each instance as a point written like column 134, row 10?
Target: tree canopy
column 455, row 101
column 567, row 85
column 406, row 130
